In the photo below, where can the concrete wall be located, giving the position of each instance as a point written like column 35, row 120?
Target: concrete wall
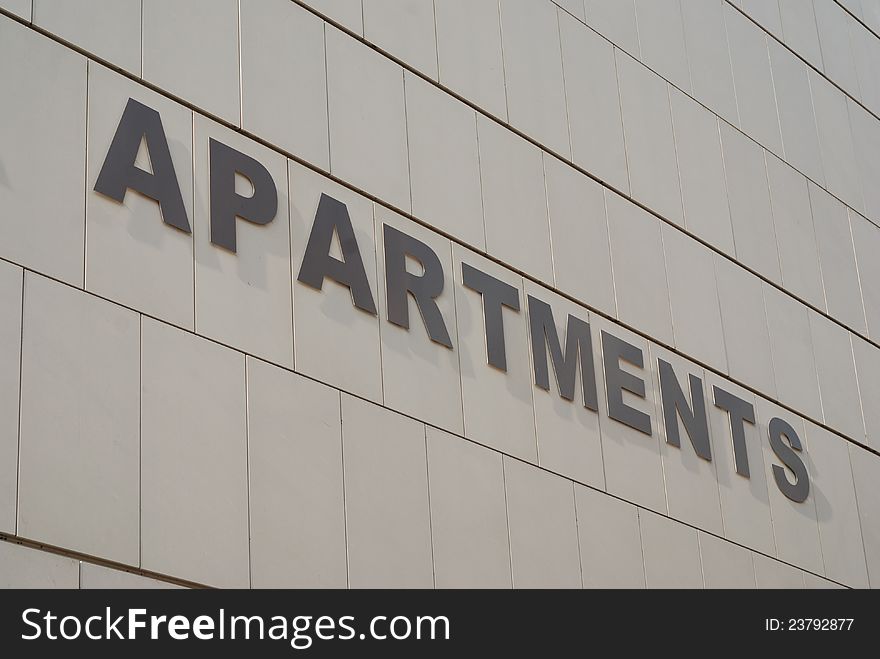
column 696, row 178
column 29, row 567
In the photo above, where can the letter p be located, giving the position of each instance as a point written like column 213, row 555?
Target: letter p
column 227, row 204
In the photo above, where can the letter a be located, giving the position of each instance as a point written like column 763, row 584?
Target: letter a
column 119, row 173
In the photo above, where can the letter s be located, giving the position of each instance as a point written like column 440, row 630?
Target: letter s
column 343, row 624
column 798, row 490
column 24, row 619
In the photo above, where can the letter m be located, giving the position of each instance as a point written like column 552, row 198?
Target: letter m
column 578, row 353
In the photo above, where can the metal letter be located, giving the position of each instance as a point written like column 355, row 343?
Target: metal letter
column 617, row 381
column 798, row 490
column 496, row 294
column 675, row 405
column 119, row 173
column 227, row 204
column 578, row 352
column 332, row 216
column 424, row 288
column 738, row 410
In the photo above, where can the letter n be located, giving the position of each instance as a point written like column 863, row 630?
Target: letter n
column 676, row 406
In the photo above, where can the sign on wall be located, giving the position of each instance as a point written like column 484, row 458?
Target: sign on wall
column 569, row 356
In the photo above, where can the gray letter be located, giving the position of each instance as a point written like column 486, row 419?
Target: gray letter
column 119, row 172
column 227, row 204
column 738, row 410
column 496, row 294
column 578, row 343
column 675, row 405
column 332, row 216
column 424, row 288
column 617, row 381
column 798, row 490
